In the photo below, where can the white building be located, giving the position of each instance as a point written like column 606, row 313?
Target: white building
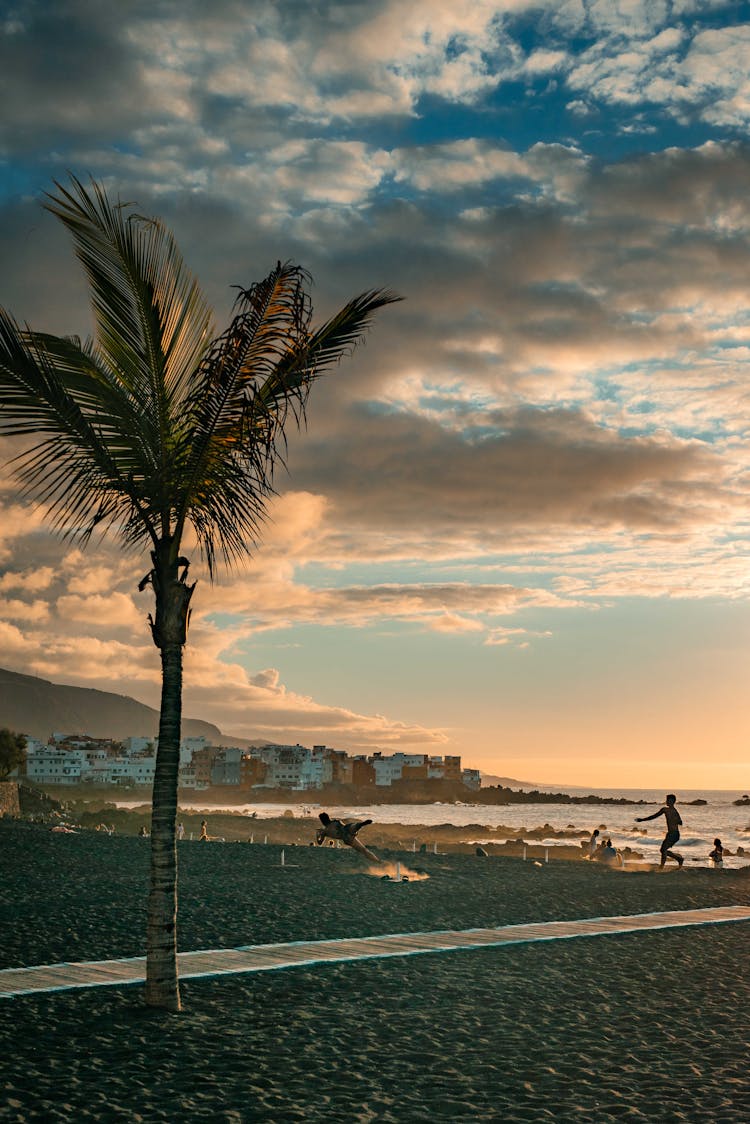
column 188, row 746
column 316, row 769
column 388, row 769
column 32, row 744
column 51, row 764
column 187, row 777
column 46, row 764
column 145, row 745
column 133, row 770
column 472, row 778
column 139, row 745
column 284, row 764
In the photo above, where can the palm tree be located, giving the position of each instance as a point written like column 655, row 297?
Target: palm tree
column 158, row 424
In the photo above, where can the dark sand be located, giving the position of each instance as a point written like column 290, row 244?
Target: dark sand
column 649, row 1026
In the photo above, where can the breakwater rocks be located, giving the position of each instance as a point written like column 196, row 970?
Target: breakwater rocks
column 501, row 795
column 400, row 792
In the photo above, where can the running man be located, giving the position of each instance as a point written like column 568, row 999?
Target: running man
column 674, row 823
column 346, row 832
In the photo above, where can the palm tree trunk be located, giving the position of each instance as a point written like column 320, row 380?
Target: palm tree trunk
column 162, row 986
column 169, row 629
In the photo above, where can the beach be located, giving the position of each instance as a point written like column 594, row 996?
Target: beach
column 705, row 814
column 641, row 1026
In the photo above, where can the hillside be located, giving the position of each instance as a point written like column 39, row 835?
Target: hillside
column 37, row 707
column 489, row 779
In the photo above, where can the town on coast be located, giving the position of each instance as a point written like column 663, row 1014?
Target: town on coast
column 231, row 774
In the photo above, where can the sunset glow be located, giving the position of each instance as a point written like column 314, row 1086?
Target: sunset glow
column 516, row 525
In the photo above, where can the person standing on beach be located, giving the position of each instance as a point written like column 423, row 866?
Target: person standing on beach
column 345, row 832
column 593, row 842
column 204, row 832
column 674, row 823
column 180, row 831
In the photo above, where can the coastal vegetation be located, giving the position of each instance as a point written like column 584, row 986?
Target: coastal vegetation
column 12, row 751
column 157, row 425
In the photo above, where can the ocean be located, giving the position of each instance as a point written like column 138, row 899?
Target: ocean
column 701, row 823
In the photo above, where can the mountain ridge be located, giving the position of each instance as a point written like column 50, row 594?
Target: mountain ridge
column 489, row 780
column 39, row 707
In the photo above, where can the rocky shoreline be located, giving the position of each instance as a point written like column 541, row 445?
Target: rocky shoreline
column 293, row 829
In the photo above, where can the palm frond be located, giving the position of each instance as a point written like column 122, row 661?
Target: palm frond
column 324, row 348
column 258, row 370
column 54, row 389
column 154, row 425
column 152, row 321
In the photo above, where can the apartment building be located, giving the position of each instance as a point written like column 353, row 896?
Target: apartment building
column 79, row 759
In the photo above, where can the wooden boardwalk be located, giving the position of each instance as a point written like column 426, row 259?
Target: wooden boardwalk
column 271, row 957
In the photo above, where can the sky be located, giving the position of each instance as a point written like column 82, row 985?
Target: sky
column 516, row 524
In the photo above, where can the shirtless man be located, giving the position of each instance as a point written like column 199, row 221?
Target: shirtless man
column 674, row 822
column 346, row 832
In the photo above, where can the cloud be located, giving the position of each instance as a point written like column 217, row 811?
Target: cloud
column 520, row 637
column 76, row 74
column 453, row 166
column 261, row 706
column 501, row 471
column 26, row 611
column 452, row 622
column 17, row 519
column 192, row 96
column 690, row 76
column 32, row 581
column 555, row 417
column 117, row 608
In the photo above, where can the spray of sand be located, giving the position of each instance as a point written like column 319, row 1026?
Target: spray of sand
column 391, row 870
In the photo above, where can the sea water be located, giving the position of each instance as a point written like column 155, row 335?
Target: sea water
column 701, row 824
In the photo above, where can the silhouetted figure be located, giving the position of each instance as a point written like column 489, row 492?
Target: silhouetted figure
column 593, row 842
column 345, row 832
column 674, row 823
column 204, row 832
column 717, row 855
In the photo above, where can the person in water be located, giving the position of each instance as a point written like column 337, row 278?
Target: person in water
column 674, row 823
column 345, row 832
column 717, row 855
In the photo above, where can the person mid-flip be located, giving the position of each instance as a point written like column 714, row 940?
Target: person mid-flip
column 346, row 832
column 674, row 823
